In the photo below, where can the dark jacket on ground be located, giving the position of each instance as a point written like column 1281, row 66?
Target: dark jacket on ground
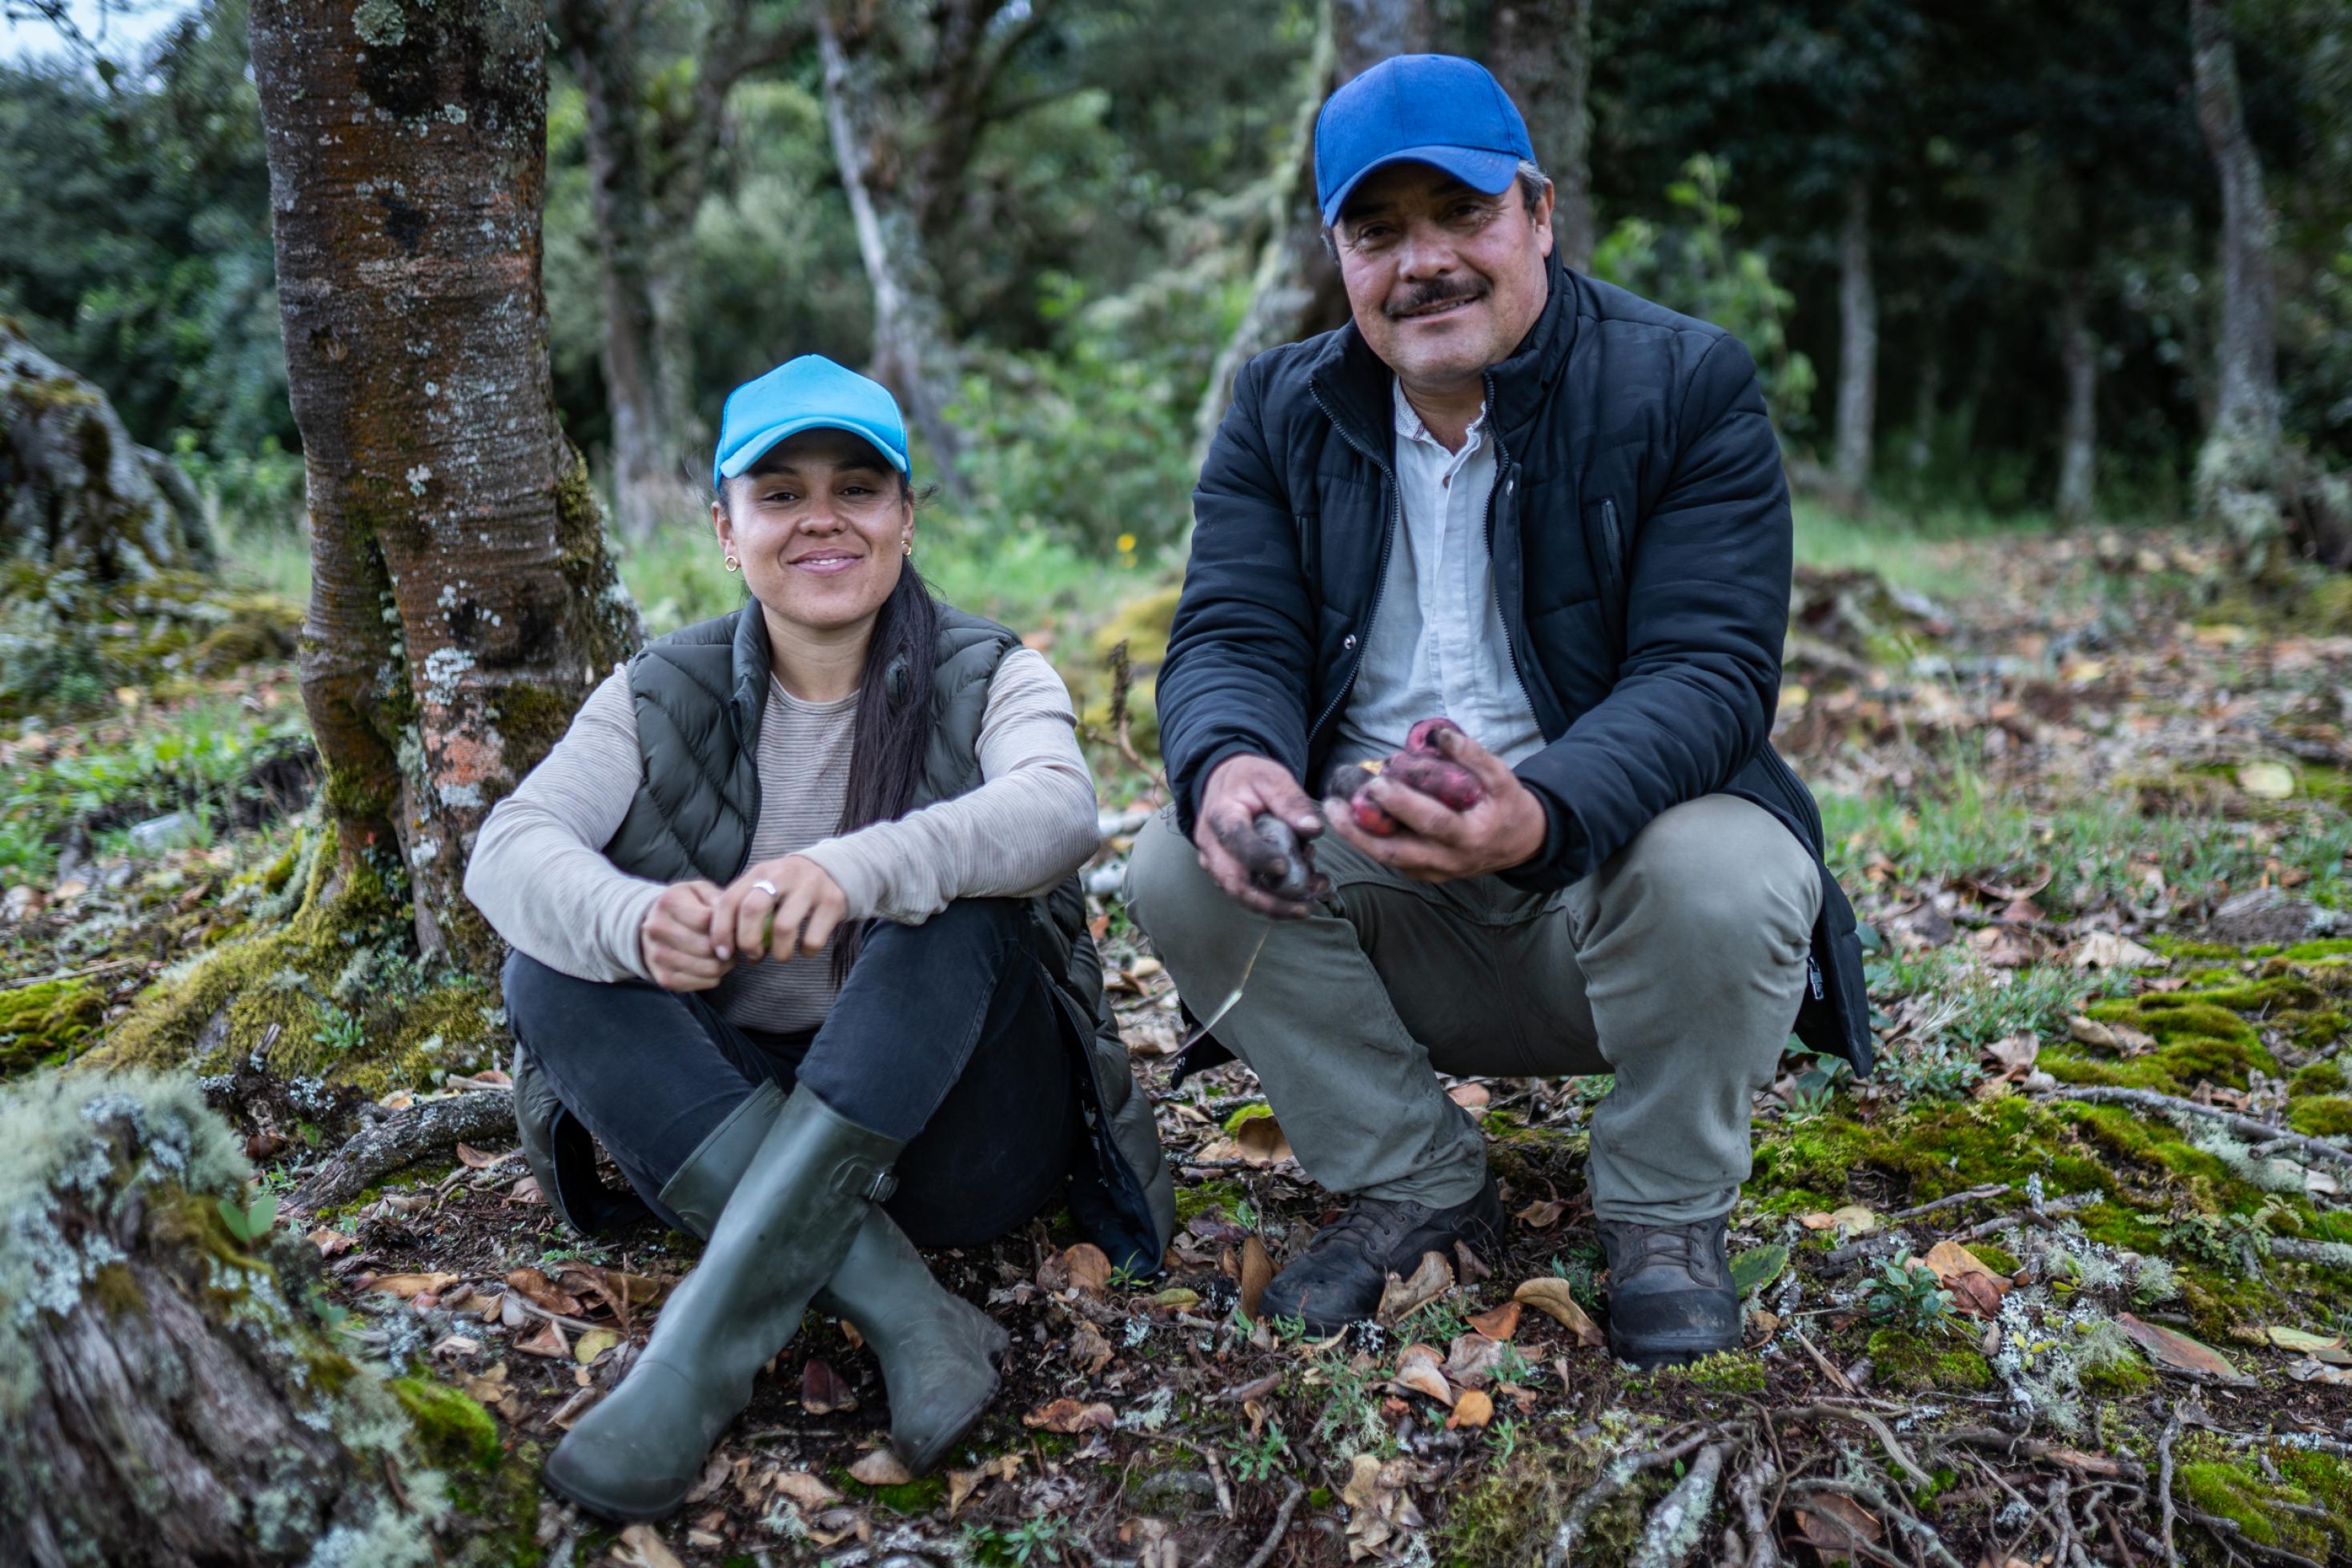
column 699, row 695
column 1639, row 527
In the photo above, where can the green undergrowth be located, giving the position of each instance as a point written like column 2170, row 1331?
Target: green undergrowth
column 2285, row 1498
column 325, row 977
column 1508, row 1517
column 1920, row 1363
column 67, row 644
column 2216, row 1032
column 2195, row 1198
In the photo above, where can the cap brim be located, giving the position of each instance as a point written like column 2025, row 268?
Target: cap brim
column 1476, row 167
column 757, row 448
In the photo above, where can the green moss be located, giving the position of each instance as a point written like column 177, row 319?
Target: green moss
column 1919, row 1363
column 1247, row 1114
column 2308, row 1510
column 1195, row 1198
column 1725, row 1372
column 1508, row 1517
column 2123, row 1376
column 907, row 1499
column 279, row 986
column 2198, row 1038
column 114, row 1288
column 2321, row 1115
column 2182, row 947
column 2325, row 948
column 2319, row 1077
column 452, row 1430
column 43, row 1022
column 1937, row 1149
column 2000, row 1259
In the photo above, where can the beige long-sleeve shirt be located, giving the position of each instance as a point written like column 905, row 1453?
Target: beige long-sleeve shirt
column 539, row 876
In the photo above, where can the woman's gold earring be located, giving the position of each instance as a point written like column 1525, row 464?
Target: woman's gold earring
column 734, row 565
column 910, row 547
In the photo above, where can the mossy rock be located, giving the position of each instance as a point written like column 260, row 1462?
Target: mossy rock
column 2319, row 1077
column 2321, row 1115
column 1920, row 1363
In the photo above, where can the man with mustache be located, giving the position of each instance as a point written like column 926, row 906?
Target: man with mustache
column 1555, row 513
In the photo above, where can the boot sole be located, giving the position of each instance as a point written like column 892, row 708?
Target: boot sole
column 602, row 1509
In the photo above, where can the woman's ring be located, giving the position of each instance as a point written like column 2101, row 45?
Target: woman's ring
column 764, row 885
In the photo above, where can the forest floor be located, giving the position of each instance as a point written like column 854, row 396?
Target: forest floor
column 2069, row 1281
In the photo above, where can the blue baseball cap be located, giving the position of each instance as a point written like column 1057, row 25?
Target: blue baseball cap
column 810, row 393
column 1422, row 109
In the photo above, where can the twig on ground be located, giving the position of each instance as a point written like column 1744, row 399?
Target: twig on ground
column 2173, row 1105
column 1674, row 1525
column 1990, row 1189
column 403, row 1138
column 1611, row 1481
column 1885, row 1435
column 2044, row 1217
column 2164, row 1483
column 1264, row 1552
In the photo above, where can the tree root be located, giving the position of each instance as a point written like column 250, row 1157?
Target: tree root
column 1672, row 1529
column 427, row 1127
column 2173, row 1105
column 1614, row 1478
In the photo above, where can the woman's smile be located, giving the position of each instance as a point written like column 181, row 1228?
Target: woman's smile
column 827, row 562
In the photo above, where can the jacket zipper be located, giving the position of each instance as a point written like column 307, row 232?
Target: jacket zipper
column 1502, row 473
column 1379, row 571
column 1613, row 544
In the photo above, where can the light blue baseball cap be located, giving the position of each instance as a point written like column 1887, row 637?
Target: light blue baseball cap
column 810, row 393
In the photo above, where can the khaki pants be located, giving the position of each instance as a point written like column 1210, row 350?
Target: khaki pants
column 1677, row 966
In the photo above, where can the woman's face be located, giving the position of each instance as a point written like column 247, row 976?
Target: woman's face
column 820, row 527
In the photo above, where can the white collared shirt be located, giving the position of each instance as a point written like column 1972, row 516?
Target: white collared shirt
column 1437, row 643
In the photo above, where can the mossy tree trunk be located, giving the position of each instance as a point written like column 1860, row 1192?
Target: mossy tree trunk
column 170, row 1390
column 1542, row 54
column 462, row 603
column 1857, row 390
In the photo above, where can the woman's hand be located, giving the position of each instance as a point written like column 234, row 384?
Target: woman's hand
column 778, row 909
column 675, row 938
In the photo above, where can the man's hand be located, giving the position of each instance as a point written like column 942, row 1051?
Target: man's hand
column 1434, row 842
column 805, row 906
column 1235, row 852
column 675, row 938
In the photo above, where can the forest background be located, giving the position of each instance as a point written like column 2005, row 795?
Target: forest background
column 2054, row 307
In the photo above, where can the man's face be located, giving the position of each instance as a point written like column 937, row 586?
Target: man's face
column 1443, row 280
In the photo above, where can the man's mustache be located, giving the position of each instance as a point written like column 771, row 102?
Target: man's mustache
column 1428, row 294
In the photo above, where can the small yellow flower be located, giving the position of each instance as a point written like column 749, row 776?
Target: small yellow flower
column 1126, row 543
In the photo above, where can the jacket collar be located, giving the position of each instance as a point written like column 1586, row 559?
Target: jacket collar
column 1354, row 382
column 749, row 699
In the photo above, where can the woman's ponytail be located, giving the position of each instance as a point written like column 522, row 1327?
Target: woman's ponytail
column 893, row 728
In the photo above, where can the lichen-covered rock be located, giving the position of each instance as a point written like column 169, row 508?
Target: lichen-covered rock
column 76, row 491
column 170, row 1390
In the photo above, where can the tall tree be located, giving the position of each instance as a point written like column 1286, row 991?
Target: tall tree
column 461, row 601
column 2239, row 472
column 656, row 113
column 909, row 94
column 1294, row 288
column 1543, row 56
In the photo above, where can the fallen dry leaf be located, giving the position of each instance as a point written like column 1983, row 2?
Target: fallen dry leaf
column 2177, row 1352
column 806, row 1490
column 881, row 1469
column 1852, row 1219
column 1975, row 1288
column 1420, row 1375
column 2107, row 950
column 1550, row 1297
column 1472, row 1409
column 824, row 1390
column 1469, row 1096
column 1835, row 1526
column 1541, row 1214
column 471, row 1156
column 1069, row 1415
column 2015, row 1054
column 526, row 1191
column 2267, row 780
column 2308, row 1343
column 542, row 1291
column 409, row 1287
column 2120, row 1038
column 1089, row 1351
column 1497, row 1322
column 1089, row 1266
column 1262, row 1141
column 1472, row 1358
column 1257, row 1273
column 593, row 1344
column 547, row 1341
column 639, row 1547
column 331, row 1243
column 1431, row 1279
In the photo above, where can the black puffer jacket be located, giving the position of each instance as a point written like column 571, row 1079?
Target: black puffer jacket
column 1640, row 531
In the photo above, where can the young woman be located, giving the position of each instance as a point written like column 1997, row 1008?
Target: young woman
column 796, row 940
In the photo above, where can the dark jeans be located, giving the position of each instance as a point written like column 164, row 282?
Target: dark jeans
column 944, row 1035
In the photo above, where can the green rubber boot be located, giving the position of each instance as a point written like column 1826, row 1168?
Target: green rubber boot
column 805, row 1193
column 938, row 1351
